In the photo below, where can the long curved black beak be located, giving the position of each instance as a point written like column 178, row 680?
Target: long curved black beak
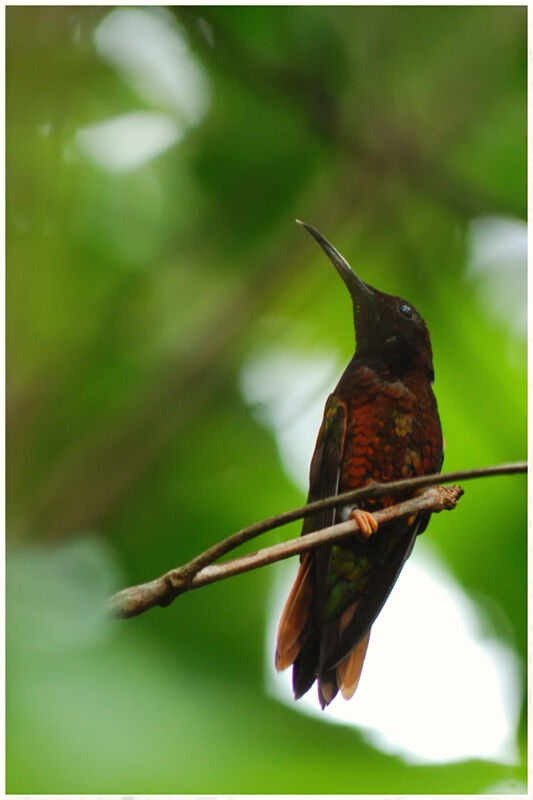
column 358, row 289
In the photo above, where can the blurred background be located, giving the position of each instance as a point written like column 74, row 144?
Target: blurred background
column 171, row 338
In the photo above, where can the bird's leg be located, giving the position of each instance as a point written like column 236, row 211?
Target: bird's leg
column 367, row 523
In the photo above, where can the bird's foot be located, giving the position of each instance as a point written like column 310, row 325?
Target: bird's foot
column 367, row 523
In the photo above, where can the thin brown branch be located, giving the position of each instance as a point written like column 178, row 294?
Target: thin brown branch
column 161, row 591
column 372, row 490
column 138, row 599
column 434, row 498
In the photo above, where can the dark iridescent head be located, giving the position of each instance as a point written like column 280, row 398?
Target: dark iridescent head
column 388, row 329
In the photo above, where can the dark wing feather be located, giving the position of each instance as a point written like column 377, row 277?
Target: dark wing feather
column 326, row 463
column 323, row 482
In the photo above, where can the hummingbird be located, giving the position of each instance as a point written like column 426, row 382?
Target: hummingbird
column 381, row 423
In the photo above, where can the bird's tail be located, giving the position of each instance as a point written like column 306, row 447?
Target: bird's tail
column 298, row 643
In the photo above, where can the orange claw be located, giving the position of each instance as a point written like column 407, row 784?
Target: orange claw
column 365, row 520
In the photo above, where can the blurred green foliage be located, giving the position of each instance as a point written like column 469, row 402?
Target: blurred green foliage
column 133, row 299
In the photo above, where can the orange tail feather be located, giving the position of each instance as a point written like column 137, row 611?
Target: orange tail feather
column 349, row 670
column 294, row 617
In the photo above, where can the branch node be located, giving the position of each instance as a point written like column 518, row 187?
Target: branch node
column 176, row 581
column 451, row 495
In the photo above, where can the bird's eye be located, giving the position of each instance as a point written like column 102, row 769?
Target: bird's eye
column 405, row 310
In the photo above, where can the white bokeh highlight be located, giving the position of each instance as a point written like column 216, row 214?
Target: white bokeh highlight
column 498, row 262
column 288, row 390
column 150, row 52
column 126, row 142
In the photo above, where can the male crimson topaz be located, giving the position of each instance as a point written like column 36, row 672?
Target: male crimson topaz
column 380, row 424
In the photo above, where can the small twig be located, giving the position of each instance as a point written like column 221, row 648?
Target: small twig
column 137, row 599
